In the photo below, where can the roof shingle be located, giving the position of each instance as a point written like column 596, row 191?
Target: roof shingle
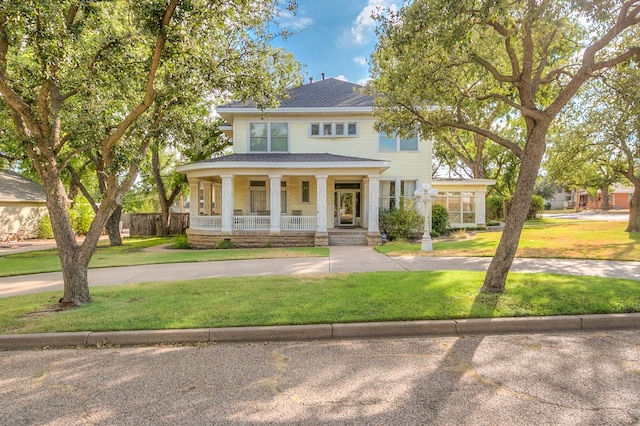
column 328, row 93
column 16, row 188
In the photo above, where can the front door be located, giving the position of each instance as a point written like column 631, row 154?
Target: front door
column 346, row 208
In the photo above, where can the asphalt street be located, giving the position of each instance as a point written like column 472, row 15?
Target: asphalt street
column 551, row 379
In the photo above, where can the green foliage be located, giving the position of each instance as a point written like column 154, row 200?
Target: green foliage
column 180, row 242
column 81, row 215
column 401, row 224
column 545, row 188
column 88, row 86
column 45, row 230
column 439, row 220
column 140, row 199
column 495, row 207
column 536, row 207
column 224, row 244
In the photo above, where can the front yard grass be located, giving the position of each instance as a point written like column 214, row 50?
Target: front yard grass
column 135, row 251
column 544, row 238
column 260, row 301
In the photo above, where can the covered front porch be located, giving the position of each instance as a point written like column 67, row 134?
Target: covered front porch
column 282, row 203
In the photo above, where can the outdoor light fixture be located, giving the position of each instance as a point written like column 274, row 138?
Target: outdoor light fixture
column 426, row 195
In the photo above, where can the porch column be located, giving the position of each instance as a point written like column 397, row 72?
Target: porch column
column 374, row 203
column 227, row 203
column 274, row 205
column 321, row 203
column 208, row 199
column 194, row 197
column 365, row 203
column 481, row 202
column 217, row 197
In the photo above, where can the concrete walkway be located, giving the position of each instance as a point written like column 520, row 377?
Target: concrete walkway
column 341, row 260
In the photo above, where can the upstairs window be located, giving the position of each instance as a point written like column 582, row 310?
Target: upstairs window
column 268, row 137
column 394, row 143
column 333, row 130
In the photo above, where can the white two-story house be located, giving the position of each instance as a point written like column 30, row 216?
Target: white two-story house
column 310, row 169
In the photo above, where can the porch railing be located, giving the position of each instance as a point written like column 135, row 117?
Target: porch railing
column 206, row 222
column 254, row 223
column 251, row 223
column 298, row 223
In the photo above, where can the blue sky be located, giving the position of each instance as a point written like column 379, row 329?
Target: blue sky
column 335, row 37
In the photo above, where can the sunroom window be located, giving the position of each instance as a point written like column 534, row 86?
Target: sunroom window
column 461, row 206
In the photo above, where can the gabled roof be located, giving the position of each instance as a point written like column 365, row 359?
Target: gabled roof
column 328, row 93
column 15, row 188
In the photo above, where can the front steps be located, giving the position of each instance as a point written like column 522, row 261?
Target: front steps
column 348, row 237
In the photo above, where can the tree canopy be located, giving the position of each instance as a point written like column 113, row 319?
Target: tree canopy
column 442, row 64
column 85, row 77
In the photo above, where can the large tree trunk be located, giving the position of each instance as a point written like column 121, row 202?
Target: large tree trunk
column 496, row 276
column 634, row 209
column 162, row 192
column 72, row 261
column 113, row 227
column 605, row 198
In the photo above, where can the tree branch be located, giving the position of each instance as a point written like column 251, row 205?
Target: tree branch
column 64, row 162
column 527, row 112
column 150, row 91
column 629, row 15
column 487, row 133
column 26, row 123
column 494, row 72
column 75, row 178
column 513, row 56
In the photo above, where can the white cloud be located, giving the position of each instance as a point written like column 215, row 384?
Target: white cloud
column 364, row 25
column 360, row 60
column 292, row 21
column 364, row 81
column 341, row 77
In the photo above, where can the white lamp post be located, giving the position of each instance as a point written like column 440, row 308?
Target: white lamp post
column 426, row 195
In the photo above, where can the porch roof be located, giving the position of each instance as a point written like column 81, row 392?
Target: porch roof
column 285, row 160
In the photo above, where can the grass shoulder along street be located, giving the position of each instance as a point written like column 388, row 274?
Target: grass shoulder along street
column 263, row 301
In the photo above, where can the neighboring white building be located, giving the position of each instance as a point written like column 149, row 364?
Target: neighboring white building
column 312, row 167
column 22, row 204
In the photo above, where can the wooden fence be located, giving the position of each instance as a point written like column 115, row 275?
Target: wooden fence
column 148, row 224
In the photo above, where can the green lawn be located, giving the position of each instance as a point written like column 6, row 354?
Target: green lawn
column 541, row 238
column 382, row 296
column 133, row 253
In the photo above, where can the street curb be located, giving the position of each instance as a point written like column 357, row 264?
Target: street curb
column 453, row 328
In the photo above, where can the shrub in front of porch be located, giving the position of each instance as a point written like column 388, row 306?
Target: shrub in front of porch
column 401, row 224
